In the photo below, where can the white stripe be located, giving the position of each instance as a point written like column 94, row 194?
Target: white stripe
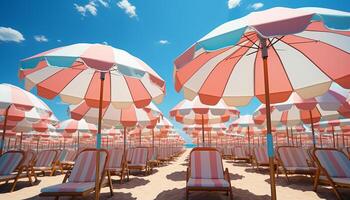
column 36, row 77
column 120, row 92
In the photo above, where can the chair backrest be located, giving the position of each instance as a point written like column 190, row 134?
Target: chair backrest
column 292, row 156
column 62, row 155
column 261, row 154
column 206, row 163
column 29, row 158
column 239, row 152
column 115, row 158
column 227, row 151
column 139, row 155
column 71, row 154
column 46, row 158
column 334, row 162
column 84, row 169
column 10, row 160
column 152, row 153
column 129, row 154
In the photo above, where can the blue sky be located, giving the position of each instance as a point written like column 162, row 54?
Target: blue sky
column 156, row 31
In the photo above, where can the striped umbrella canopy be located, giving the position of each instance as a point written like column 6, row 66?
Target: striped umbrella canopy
column 73, row 72
column 111, row 116
column 95, row 73
column 16, row 105
column 195, row 112
column 268, row 55
column 335, row 127
column 73, row 126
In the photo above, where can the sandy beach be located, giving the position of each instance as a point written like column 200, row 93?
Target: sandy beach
column 168, row 183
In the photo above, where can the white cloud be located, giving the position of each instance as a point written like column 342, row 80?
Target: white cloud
column 8, row 34
column 233, row 3
column 41, row 38
column 88, row 8
column 104, row 3
column 128, row 8
column 164, row 42
column 257, row 6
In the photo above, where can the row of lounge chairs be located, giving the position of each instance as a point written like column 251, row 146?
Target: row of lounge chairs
column 324, row 165
column 79, row 176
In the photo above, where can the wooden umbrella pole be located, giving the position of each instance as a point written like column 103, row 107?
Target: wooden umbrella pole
column 4, row 130
column 248, row 141
column 269, row 138
column 333, row 136
column 312, row 129
column 343, row 139
column 203, row 143
column 140, row 138
column 98, row 139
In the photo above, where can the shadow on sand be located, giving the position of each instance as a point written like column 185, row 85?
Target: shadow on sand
column 238, row 194
column 305, row 183
column 117, row 196
column 133, row 183
column 22, row 183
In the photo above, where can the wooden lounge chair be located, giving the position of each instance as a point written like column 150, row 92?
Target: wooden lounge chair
column 152, row 158
column 206, row 172
column 81, row 180
column 9, row 162
column 45, row 161
column 117, row 164
column 139, row 159
column 227, row 153
column 129, row 154
column 260, row 157
column 293, row 160
column 67, row 162
column 163, row 155
column 240, row 154
column 27, row 165
column 333, row 169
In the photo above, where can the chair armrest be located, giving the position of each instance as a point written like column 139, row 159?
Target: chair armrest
column 188, row 173
column 66, row 176
column 227, row 175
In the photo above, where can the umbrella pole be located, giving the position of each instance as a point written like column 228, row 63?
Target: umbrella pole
column 153, row 139
column 343, row 139
column 287, row 135
column 291, row 135
column 64, row 143
column 98, row 139
column 203, row 131
column 124, row 148
column 4, row 130
column 301, row 144
column 333, row 137
column 312, row 129
column 140, row 138
column 269, row 139
column 20, row 141
column 249, row 141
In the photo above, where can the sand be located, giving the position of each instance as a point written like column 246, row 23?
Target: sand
column 168, row 183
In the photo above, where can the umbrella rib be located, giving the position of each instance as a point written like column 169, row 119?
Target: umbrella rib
column 257, row 46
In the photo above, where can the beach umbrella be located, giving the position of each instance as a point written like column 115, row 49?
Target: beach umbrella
column 297, row 111
column 333, row 126
column 112, row 117
column 71, row 126
column 14, row 102
column 195, row 112
column 268, row 55
column 163, row 123
column 98, row 74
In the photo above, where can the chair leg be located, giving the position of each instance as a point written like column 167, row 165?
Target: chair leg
column 231, row 195
column 35, row 176
column 287, row 177
column 29, row 177
column 15, row 181
column 187, row 193
column 317, row 177
column 334, row 188
column 57, row 197
column 110, row 182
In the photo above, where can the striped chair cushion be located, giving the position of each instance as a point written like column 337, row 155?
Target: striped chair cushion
column 261, row 154
column 139, row 156
column 115, row 158
column 292, row 157
column 207, row 183
column 45, row 158
column 239, row 152
column 337, row 180
column 63, row 154
column 334, row 162
column 9, row 161
column 69, row 187
column 163, row 153
column 152, row 153
column 227, row 151
column 206, row 165
column 129, row 154
column 70, row 155
column 7, row 177
column 28, row 158
column 84, row 169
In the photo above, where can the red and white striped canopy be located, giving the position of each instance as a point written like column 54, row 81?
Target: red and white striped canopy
column 308, row 50
column 72, row 126
column 112, row 117
column 195, row 112
column 73, row 73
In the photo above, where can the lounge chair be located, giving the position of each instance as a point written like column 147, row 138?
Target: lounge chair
column 293, row 160
column 206, row 172
column 139, row 159
column 164, row 155
column 9, row 162
column 260, row 157
column 81, row 180
column 27, row 165
column 117, row 164
column 129, row 154
column 67, row 162
column 227, row 153
column 240, row 154
column 152, row 158
column 333, row 169
column 45, row 161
